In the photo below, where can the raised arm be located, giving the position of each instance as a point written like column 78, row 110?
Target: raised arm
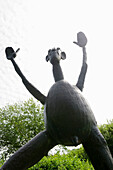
column 81, row 42
column 81, row 78
column 11, row 54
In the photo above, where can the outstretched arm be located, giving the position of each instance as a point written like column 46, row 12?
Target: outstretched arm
column 36, row 93
column 81, row 79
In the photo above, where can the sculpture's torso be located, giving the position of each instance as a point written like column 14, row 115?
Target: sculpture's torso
column 68, row 116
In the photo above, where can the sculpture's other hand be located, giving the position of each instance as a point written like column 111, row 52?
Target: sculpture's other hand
column 81, row 39
column 10, row 53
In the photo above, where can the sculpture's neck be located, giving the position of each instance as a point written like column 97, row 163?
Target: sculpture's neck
column 57, row 72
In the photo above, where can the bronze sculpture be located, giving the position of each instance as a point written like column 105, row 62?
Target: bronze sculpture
column 69, row 119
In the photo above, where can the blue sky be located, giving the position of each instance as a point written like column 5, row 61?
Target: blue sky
column 36, row 26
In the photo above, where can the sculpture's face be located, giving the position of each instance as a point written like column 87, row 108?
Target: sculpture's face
column 55, row 55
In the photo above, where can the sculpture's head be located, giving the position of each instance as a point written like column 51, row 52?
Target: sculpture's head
column 55, row 55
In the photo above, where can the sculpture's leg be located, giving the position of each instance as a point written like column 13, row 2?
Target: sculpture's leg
column 98, row 151
column 30, row 153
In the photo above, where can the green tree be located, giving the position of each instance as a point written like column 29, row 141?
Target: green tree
column 18, row 124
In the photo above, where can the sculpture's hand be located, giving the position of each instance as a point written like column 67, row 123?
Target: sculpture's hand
column 81, row 39
column 10, row 53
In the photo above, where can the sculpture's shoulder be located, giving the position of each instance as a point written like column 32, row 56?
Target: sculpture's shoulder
column 62, row 84
column 63, row 87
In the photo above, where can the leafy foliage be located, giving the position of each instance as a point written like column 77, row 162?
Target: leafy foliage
column 68, row 161
column 107, row 131
column 79, row 153
column 18, row 124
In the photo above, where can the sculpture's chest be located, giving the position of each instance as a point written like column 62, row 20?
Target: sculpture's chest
column 65, row 98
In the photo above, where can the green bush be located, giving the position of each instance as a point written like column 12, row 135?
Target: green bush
column 107, row 132
column 79, row 153
column 18, row 124
column 62, row 162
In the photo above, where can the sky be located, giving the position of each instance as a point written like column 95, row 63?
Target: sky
column 35, row 26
